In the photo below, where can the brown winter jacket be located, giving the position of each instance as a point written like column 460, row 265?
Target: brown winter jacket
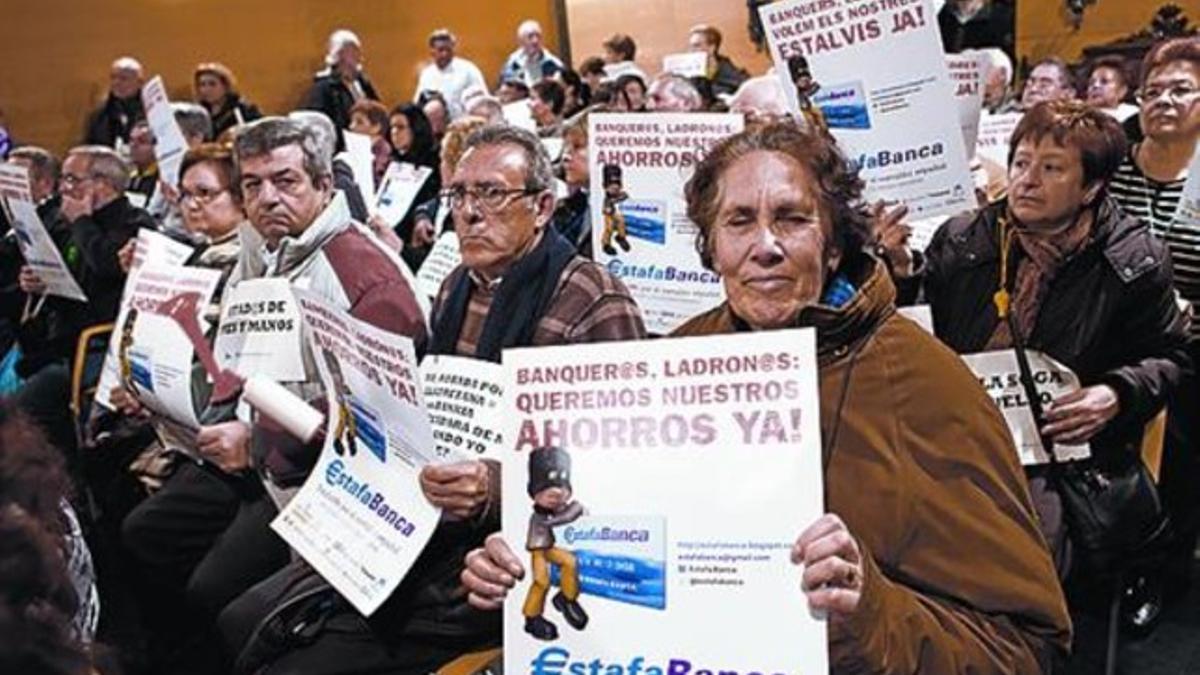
column 920, row 466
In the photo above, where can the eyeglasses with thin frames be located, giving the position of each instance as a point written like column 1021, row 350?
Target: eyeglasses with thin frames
column 201, row 196
column 489, row 198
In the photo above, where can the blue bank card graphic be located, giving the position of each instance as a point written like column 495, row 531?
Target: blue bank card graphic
column 646, row 219
column 369, row 429
column 621, row 558
column 140, row 369
column 844, row 106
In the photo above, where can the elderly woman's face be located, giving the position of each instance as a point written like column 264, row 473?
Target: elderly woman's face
column 1045, row 184
column 770, row 239
column 1170, row 101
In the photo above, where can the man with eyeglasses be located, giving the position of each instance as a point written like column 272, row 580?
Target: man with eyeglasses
column 1050, row 80
column 1149, row 185
column 520, row 284
column 101, row 220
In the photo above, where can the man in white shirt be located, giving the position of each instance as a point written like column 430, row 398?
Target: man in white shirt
column 531, row 63
column 448, row 74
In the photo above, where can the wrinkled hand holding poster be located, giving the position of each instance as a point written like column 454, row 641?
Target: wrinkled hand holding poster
column 875, row 75
column 157, row 338
column 361, row 518
column 150, row 248
column 465, row 399
column 607, row 439
column 998, row 373
column 37, row 247
column 640, row 230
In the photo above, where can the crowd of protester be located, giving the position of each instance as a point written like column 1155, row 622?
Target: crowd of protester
column 960, row 561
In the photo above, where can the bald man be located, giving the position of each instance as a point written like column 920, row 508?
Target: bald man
column 112, row 122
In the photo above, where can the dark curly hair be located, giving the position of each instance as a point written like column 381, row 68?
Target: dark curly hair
column 33, row 473
column 840, row 186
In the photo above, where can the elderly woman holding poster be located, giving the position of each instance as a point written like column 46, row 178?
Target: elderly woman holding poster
column 929, row 558
column 1085, row 284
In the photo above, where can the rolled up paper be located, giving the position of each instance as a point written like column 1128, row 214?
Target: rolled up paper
column 288, row 410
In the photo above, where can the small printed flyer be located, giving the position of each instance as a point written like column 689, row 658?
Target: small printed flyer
column 621, row 535
column 465, row 399
column 640, row 230
column 260, row 331
column 1000, row 376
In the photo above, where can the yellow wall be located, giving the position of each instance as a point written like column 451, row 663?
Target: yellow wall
column 1043, row 29
column 55, row 53
column 660, row 27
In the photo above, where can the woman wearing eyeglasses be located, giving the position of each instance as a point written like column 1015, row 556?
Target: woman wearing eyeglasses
column 1149, row 185
column 184, row 538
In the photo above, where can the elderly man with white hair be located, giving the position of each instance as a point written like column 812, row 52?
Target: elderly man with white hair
column 342, row 82
column 530, row 63
column 447, row 74
column 111, row 123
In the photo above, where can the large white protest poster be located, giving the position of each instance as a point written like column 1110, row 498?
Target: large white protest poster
column 361, row 519
column 465, row 399
column 1001, row 377
column 169, row 143
column 441, row 261
column 670, row 480
column 37, row 247
column 150, row 247
column 399, row 187
column 877, row 72
column 967, row 73
column 260, row 331
column 157, row 337
column 640, row 230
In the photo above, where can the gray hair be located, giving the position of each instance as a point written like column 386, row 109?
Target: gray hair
column 538, row 173
column 260, row 137
column 193, row 120
column 339, row 40
column 42, row 163
column 679, row 87
column 998, row 60
column 528, row 26
column 128, row 63
column 104, row 164
column 319, row 124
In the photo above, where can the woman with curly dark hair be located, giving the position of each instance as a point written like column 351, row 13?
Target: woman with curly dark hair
column 33, row 479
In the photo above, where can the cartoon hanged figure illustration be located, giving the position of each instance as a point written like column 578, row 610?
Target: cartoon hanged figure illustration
column 124, row 365
column 550, row 488
column 345, row 434
column 614, row 220
column 806, row 88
